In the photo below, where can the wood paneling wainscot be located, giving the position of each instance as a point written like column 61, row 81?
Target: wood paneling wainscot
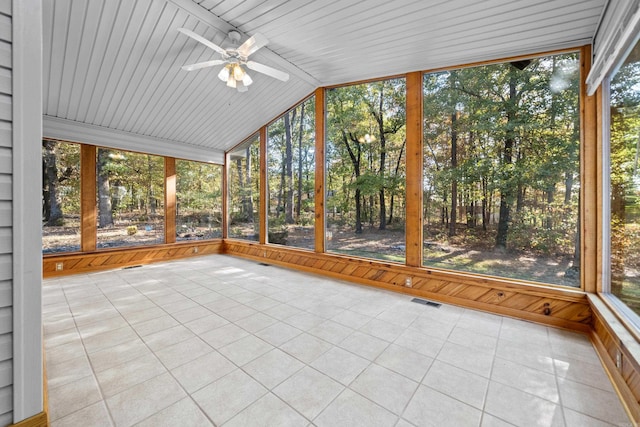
column 125, row 257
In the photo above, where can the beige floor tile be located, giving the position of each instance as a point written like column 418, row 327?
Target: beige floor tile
column 582, row 372
column 420, row 343
column 473, row 339
column 109, row 339
column 364, row 345
column 140, row 316
column 256, row 322
column 145, row 399
column 67, row 351
column 304, row 321
column 308, row 391
column 431, row 408
column 526, row 379
column 60, row 373
column 245, row 350
column 117, row 355
column 576, row 419
column 206, row 324
column 462, row 385
column 223, row 335
column 237, row 312
column 91, row 329
column 520, row 408
column 155, row 325
column 535, row 358
column 273, row 368
column 340, row 365
column 183, row 352
column 95, row 415
column 467, row 358
column 282, row 311
column 596, row 403
column 489, row 420
column 483, row 326
column 184, row 413
column 278, row 333
column 352, row 319
column 398, row 317
column 202, row 371
column 383, row 330
column 62, row 337
column 168, row 337
column 405, row 362
column 73, row 396
column 331, row 331
column 352, row 410
column 268, row 411
column 117, row 379
column 190, row 314
column 306, row 347
column 226, row 397
column 386, row 388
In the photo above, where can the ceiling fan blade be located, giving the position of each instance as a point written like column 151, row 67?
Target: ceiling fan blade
column 202, row 40
column 205, row 64
column 271, row 72
column 252, row 44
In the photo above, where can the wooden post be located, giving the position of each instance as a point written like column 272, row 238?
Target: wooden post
column 589, row 173
column 88, row 206
column 169, row 200
column 225, row 196
column 320, row 195
column 414, row 221
column 600, row 193
column 262, row 207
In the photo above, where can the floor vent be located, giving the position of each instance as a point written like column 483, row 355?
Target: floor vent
column 425, row 302
column 131, row 266
column 264, row 264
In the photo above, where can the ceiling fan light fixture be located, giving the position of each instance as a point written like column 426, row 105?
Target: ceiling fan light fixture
column 224, row 74
column 231, row 82
column 247, row 80
column 238, row 72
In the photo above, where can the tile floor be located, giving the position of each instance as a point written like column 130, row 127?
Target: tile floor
column 218, row 340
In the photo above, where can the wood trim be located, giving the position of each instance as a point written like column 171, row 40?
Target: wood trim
column 264, row 194
column 38, row 420
column 319, row 201
column 225, row 197
column 88, row 205
column 169, row 200
column 613, row 342
column 589, row 178
column 414, row 164
column 567, row 309
column 126, row 257
column 599, row 190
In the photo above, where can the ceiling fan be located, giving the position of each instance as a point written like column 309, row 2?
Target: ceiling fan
column 234, row 58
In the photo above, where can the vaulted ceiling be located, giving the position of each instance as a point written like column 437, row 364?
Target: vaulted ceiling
column 112, row 68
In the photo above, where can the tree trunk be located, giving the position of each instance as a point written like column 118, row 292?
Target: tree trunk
column 383, row 160
column 300, row 137
column 288, row 204
column 454, row 181
column 355, row 161
column 506, row 192
column 248, row 194
column 105, row 212
column 51, row 173
column 549, row 219
column 150, row 196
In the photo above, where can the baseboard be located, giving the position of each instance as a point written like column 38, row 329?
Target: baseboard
column 38, row 420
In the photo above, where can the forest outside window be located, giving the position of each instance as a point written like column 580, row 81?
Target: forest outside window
column 501, row 170
column 199, row 200
column 365, row 176
column 60, row 197
column 291, row 177
column 244, row 190
column 624, row 183
column 130, row 193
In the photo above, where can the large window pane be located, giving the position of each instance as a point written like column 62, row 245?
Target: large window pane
column 60, row 197
column 625, row 181
column 501, row 170
column 291, row 172
column 130, row 198
column 244, row 190
column 365, row 177
column 199, row 200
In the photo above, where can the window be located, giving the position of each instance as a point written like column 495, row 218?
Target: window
column 365, row 176
column 199, row 200
column 244, row 190
column 624, row 181
column 130, row 198
column 60, row 197
column 291, row 177
column 501, row 170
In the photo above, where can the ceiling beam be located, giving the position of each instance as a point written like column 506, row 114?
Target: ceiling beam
column 72, row 131
column 219, row 24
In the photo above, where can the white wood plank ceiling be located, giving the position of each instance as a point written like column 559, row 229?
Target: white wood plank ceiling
column 115, row 64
